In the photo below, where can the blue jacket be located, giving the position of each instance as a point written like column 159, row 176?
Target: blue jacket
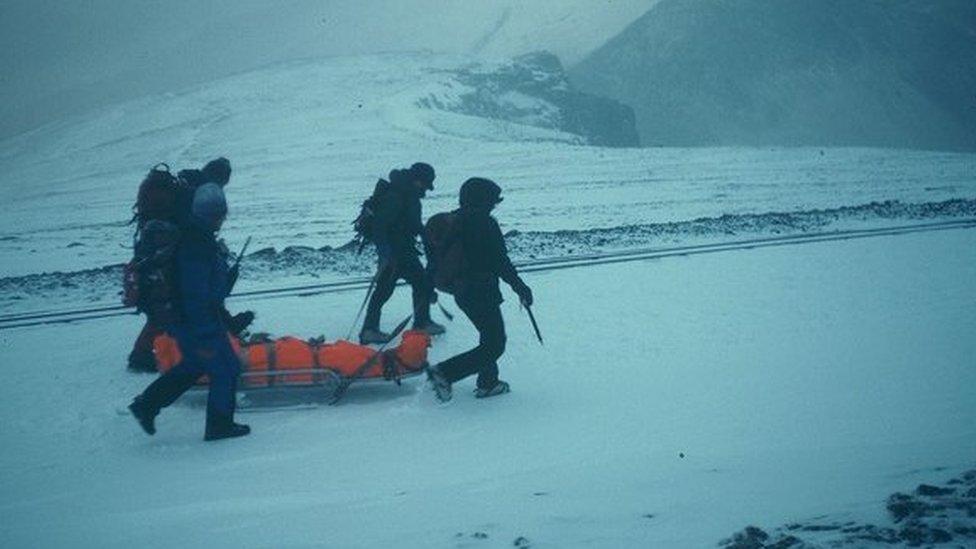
column 202, row 272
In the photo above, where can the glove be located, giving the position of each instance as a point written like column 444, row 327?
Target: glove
column 433, row 296
column 239, row 322
column 524, row 293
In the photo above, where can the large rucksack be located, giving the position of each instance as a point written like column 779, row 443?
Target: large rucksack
column 364, row 223
column 149, row 278
column 159, row 197
column 445, row 251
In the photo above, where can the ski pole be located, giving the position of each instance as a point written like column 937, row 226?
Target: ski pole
column 535, row 326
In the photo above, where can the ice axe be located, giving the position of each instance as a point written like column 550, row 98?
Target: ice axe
column 535, row 325
column 240, row 256
column 235, row 270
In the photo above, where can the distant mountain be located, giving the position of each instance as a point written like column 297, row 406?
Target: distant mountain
column 891, row 73
column 533, row 90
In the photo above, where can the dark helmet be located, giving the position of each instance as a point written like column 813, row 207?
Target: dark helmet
column 217, row 171
column 479, row 192
column 422, row 171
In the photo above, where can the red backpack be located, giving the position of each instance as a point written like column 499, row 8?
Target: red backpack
column 445, row 251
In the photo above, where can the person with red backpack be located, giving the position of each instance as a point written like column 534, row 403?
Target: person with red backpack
column 162, row 208
column 467, row 257
column 394, row 222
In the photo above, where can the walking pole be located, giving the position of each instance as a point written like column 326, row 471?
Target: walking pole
column 447, row 314
column 365, row 366
column 369, row 292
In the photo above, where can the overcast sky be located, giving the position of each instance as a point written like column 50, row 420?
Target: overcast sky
column 65, row 56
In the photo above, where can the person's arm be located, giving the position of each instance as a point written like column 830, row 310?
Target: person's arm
column 384, row 217
column 200, row 307
column 502, row 264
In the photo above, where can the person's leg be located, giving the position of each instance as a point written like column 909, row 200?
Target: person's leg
column 491, row 328
column 385, row 283
column 223, row 370
column 163, row 392
column 413, row 272
column 491, row 334
column 171, row 385
column 142, row 358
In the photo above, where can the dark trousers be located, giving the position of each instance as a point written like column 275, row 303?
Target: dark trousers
column 486, row 315
column 222, row 368
column 142, row 349
column 408, row 268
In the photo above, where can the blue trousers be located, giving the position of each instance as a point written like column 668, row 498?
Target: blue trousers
column 217, row 360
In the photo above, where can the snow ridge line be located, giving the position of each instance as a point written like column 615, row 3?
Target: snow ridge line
column 23, row 320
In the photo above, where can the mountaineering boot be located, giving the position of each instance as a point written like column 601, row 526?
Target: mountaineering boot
column 432, row 328
column 221, row 427
column 141, row 362
column 499, row 388
column 440, row 384
column 145, row 414
column 371, row 336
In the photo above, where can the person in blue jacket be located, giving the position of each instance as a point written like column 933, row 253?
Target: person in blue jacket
column 203, row 279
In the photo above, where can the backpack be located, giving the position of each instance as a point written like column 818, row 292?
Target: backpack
column 445, row 251
column 363, row 224
column 149, row 278
column 159, row 197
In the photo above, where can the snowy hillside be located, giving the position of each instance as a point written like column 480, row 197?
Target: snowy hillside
column 68, row 57
column 895, row 73
column 308, row 139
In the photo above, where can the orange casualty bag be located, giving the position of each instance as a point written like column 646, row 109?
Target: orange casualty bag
column 294, row 354
column 345, row 358
column 411, row 354
column 267, row 363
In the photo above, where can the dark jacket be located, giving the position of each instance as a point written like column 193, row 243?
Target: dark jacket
column 202, row 273
column 485, row 257
column 397, row 221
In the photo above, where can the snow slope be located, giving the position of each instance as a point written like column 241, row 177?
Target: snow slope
column 308, row 140
column 797, row 382
column 68, row 57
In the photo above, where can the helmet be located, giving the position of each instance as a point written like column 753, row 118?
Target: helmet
column 480, row 192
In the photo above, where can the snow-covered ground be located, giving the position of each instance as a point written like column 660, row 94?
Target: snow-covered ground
column 797, row 382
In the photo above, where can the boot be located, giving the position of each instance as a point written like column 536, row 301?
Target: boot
column 499, row 388
column 372, row 336
column 432, row 328
column 145, row 414
column 220, row 427
column 437, row 380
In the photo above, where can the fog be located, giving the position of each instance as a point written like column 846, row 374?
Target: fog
column 64, row 57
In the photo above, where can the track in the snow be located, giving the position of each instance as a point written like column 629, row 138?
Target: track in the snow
column 23, row 320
